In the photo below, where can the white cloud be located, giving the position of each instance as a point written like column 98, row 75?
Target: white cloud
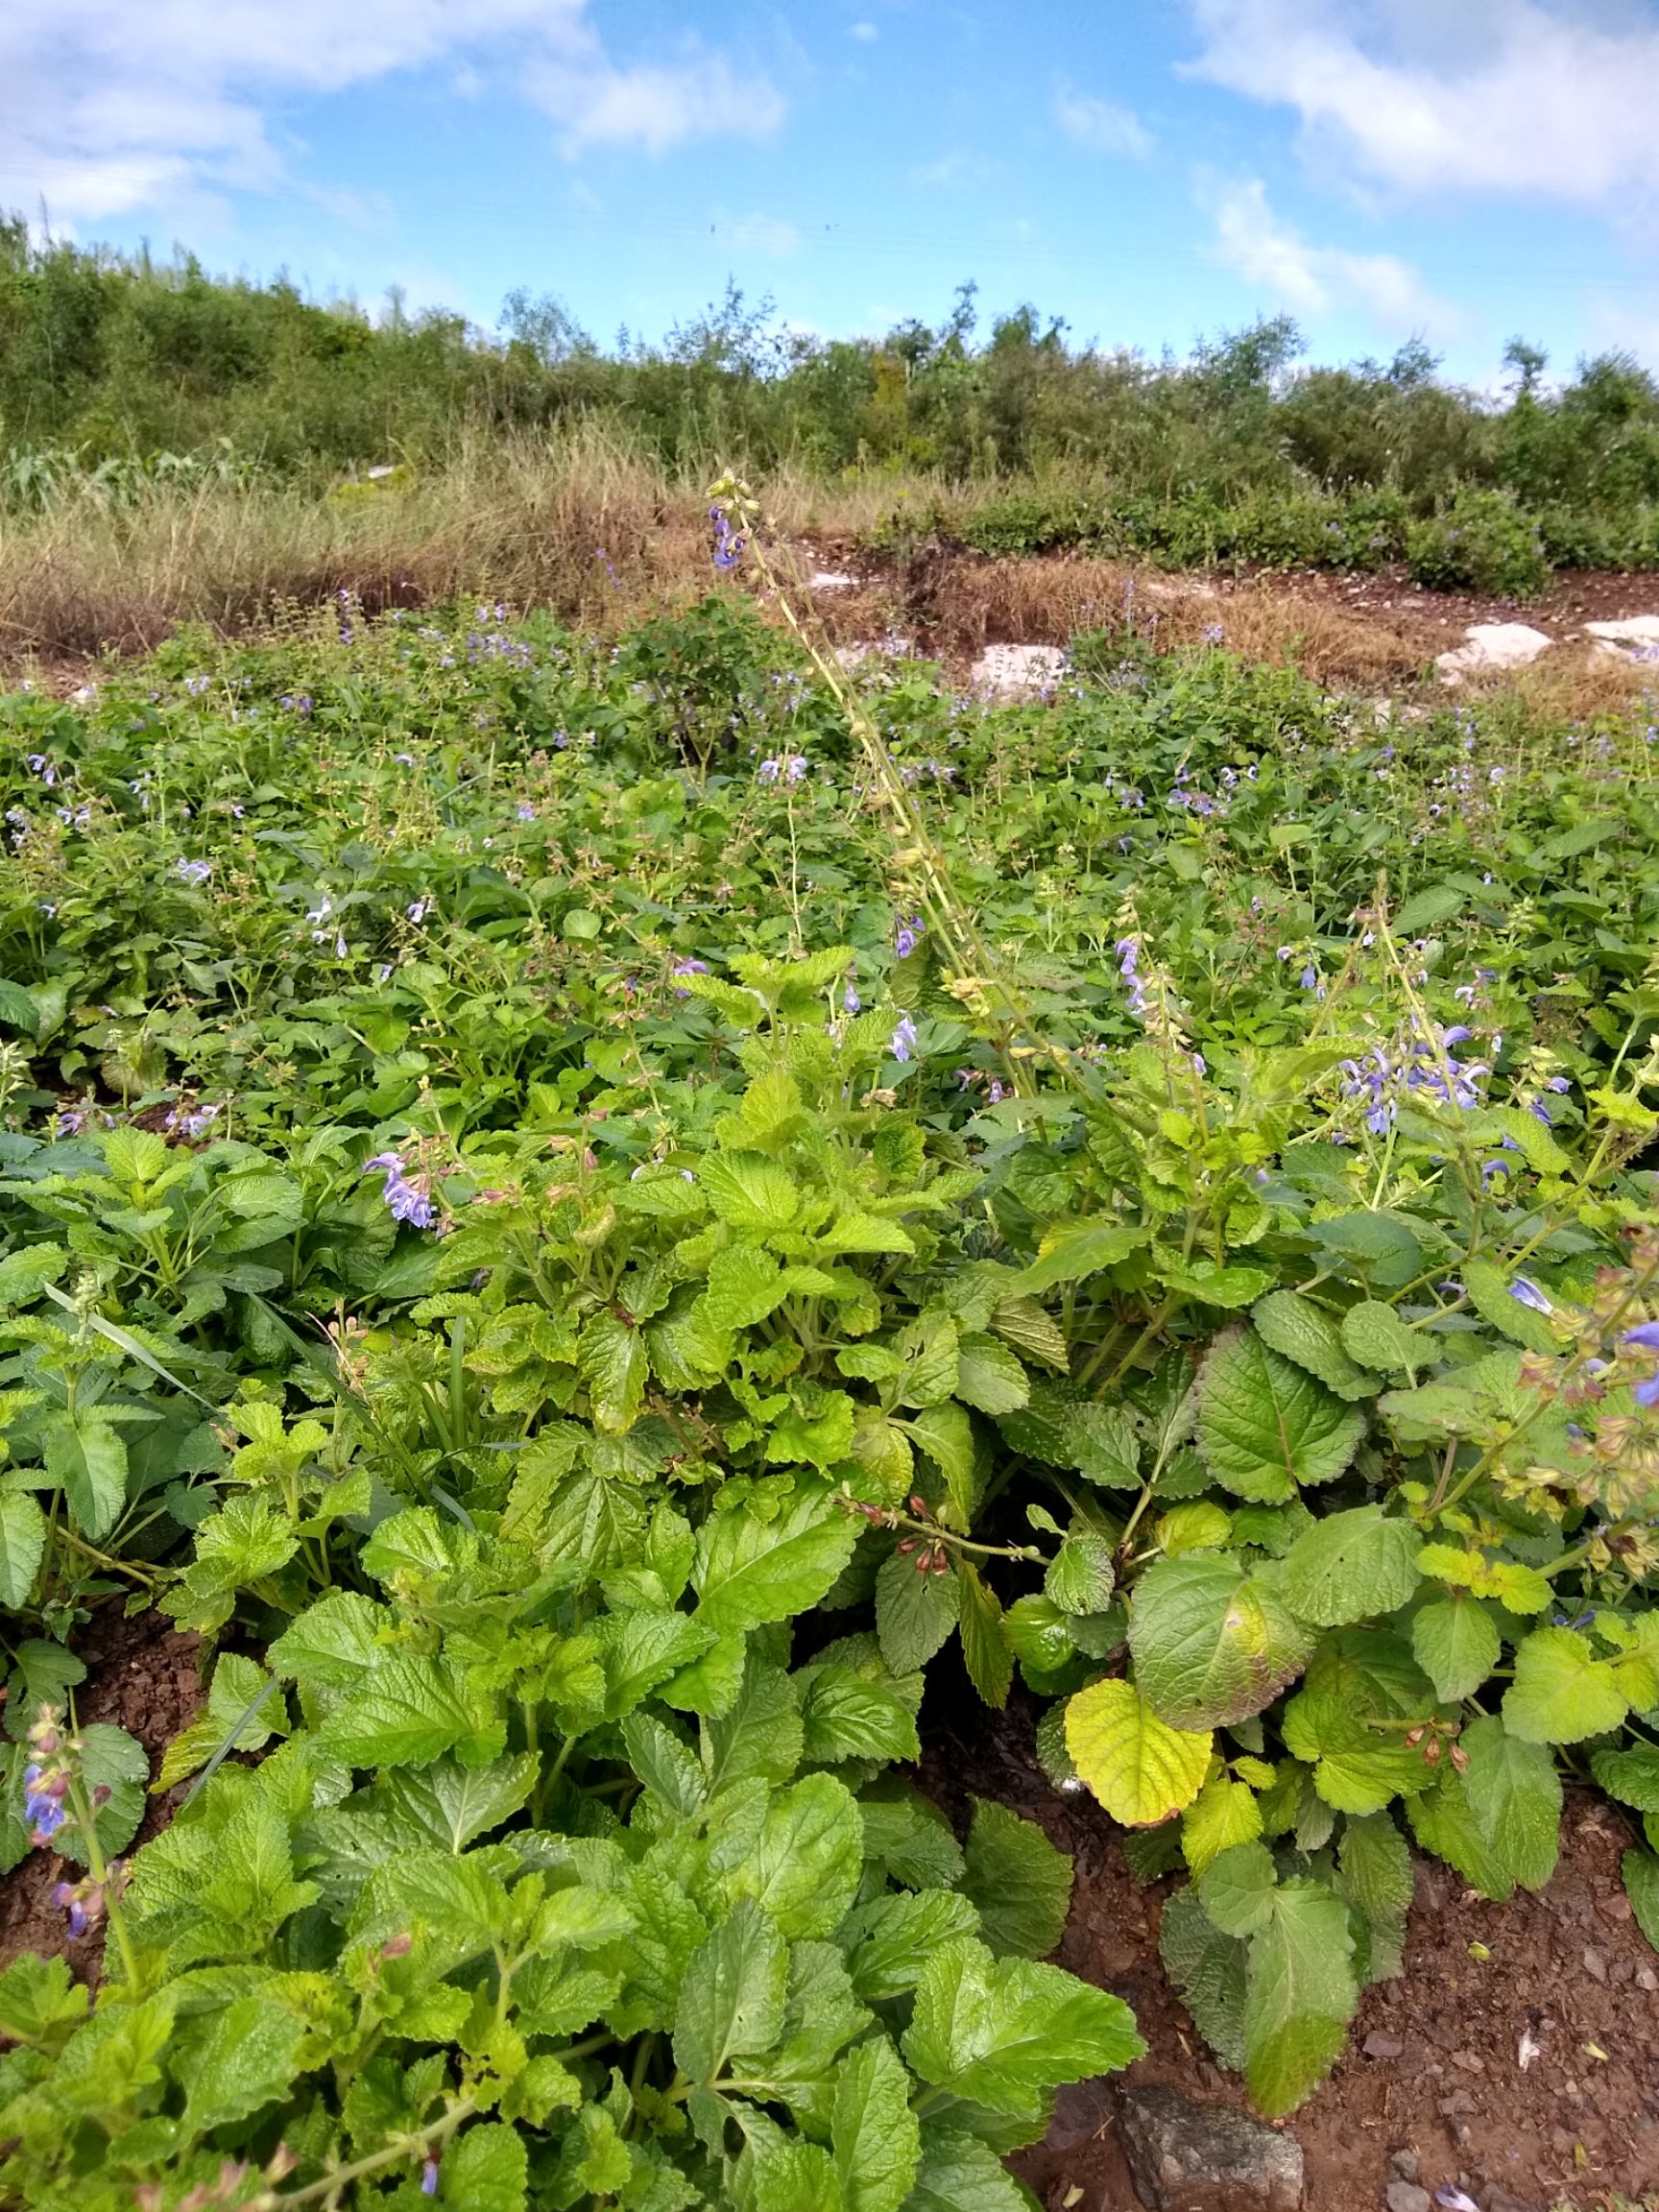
column 867, row 32
column 1311, row 281
column 1101, row 125
column 1505, row 97
column 110, row 108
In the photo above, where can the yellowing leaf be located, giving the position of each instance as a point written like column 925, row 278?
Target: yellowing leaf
column 1139, row 1767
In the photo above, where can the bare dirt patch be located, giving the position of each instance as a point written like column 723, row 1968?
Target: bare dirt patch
column 1441, row 2084
column 141, row 1676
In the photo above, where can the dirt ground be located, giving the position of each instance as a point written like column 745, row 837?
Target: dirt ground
column 1433, row 2068
column 141, row 1676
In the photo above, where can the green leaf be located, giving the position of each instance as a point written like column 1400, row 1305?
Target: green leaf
column 915, row 1612
column 641, row 1649
column 1076, row 1254
column 1139, row 1767
column 1081, row 1577
column 665, row 1765
column 112, row 1761
column 250, row 2058
column 1641, row 1872
column 1302, row 1991
column 1456, row 1644
column 1349, row 1566
column 38, row 2003
column 1561, row 1692
column 23, row 1547
column 1375, row 1335
column 749, row 1191
column 1630, row 1773
column 875, row 2135
column 87, row 1456
column 990, row 1377
column 760, row 1734
column 1305, row 1333
column 1427, row 908
column 1489, row 1293
column 732, row 1995
column 1515, row 1795
column 1374, row 1869
column 745, row 1286
column 615, row 1369
column 1223, row 1815
column 1020, row 1883
column 408, row 1711
column 1003, row 2032
column 750, row 1571
column 961, row 2174
column 946, row 1434
column 455, row 1804
column 330, row 1644
column 847, row 1714
column 1266, row 1425
column 1213, row 1644
column 986, row 1652
column 802, row 1867
column 1442, row 1822
column 25, row 1274
column 1237, row 1890
column 1207, row 1966
column 485, row 2169
column 895, row 1933
column 1377, row 1246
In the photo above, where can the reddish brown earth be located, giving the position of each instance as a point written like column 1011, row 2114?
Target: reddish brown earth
column 141, row 1676
column 1442, row 2079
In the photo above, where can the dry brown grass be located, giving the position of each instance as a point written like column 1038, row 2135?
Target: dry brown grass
column 1048, row 601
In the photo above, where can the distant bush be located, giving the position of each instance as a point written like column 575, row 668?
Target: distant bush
column 1482, row 542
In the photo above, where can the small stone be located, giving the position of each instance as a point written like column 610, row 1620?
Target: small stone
column 1379, row 2044
column 1595, row 1965
column 1646, row 1978
column 1405, row 2164
column 1407, row 2196
column 1459, row 2101
column 1018, row 671
column 1468, row 2061
column 1186, row 2157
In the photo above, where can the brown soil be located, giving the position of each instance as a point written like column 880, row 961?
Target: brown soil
column 1568, row 1968
column 141, row 1676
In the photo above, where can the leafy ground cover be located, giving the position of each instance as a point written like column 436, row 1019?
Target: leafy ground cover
column 593, row 1221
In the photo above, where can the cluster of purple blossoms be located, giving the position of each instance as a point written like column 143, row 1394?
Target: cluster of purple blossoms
column 1425, row 1066
column 409, row 1197
column 192, row 1122
column 728, row 542
column 689, row 968
column 38, row 765
column 911, row 935
column 788, row 768
column 1646, row 1338
column 196, row 685
column 299, row 703
column 902, row 1042
column 849, row 998
column 1128, row 954
column 192, row 871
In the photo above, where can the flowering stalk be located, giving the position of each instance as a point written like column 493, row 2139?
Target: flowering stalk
column 56, row 1800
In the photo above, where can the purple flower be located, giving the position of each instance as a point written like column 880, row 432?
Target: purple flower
column 527, row 813
column 689, row 968
column 409, row 1201
column 1646, row 1391
column 850, row 999
column 909, row 933
column 1647, row 1336
column 1525, row 1292
column 192, row 871
column 902, row 1042
column 430, row 2174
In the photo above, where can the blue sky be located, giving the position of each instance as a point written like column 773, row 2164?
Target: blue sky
column 1146, row 169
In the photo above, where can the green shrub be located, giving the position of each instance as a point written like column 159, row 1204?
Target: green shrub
column 1483, row 542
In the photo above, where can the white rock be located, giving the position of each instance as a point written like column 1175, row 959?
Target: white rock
column 892, row 647
column 1492, row 646
column 1636, row 639
column 1018, row 671
column 831, row 580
